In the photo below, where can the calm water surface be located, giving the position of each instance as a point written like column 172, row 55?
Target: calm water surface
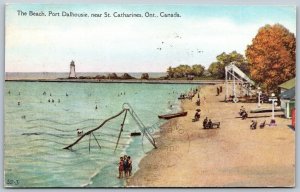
column 36, row 130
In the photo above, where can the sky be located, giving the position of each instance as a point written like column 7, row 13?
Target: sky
column 136, row 44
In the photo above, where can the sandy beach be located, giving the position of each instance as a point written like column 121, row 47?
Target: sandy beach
column 230, row 156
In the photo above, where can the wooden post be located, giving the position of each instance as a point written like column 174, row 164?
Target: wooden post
column 96, row 140
column 122, row 125
column 90, row 144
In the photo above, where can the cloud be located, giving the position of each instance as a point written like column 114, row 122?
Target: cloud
column 125, row 45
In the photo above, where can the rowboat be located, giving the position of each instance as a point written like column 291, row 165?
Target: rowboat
column 264, row 110
column 135, row 133
column 170, row 116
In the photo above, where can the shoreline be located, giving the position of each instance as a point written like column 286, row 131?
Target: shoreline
column 231, row 156
column 203, row 82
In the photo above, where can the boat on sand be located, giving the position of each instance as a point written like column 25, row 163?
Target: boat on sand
column 173, row 115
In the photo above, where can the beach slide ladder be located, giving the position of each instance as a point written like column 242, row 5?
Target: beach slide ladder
column 234, row 76
column 140, row 124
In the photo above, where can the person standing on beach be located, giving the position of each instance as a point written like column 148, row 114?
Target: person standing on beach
column 129, row 165
column 121, row 168
column 125, row 165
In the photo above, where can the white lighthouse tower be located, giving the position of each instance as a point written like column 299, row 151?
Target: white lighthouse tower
column 72, row 74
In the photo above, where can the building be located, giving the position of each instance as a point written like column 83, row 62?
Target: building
column 287, row 97
column 287, row 85
column 72, row 74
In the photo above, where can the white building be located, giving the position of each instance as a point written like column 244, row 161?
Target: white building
column 72, row 73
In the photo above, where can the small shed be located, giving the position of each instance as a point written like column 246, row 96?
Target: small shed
column 287, row 85
column 288, row 101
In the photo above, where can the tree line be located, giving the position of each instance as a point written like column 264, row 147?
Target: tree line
column 270, row 59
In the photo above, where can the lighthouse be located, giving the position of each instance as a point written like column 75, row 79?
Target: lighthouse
column 72, row 74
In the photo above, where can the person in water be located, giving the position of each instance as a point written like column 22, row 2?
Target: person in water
column 129, row 165
column 121, row 167
column 79, row 132
column 125, row 165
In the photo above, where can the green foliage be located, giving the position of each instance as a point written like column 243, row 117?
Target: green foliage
column 217, row 68
column 184, row 70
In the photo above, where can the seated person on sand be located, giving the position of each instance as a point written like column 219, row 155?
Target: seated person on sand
column 272, row 122
column 253, row 124
column 197, row 116
column 244, row 115
column 242, row 110
column 262, row 125
column 79, row 132
column 205, row 122
column 198, row 102
column 209, row 124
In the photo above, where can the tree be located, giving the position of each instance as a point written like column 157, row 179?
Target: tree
column 217, row 68
column 112, row 76
column 197, row 70
column 127, row 76
column 272, row 56
column 170, row 72
column 184, row 70
column 145, row 76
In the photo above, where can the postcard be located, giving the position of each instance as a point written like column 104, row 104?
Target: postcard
column 124, row 96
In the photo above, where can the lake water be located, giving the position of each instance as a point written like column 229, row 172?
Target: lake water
column 36, row 130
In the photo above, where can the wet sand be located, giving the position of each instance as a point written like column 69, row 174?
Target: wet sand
column 230, row 156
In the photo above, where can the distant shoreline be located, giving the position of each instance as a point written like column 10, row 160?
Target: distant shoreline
column 207, row 82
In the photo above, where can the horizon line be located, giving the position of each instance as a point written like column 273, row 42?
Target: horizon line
column 81, row 72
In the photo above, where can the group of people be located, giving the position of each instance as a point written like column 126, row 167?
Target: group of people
column 125, row 166
column 188, row 95
column 52, row 100
column 119, row 94
column 207, row 124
